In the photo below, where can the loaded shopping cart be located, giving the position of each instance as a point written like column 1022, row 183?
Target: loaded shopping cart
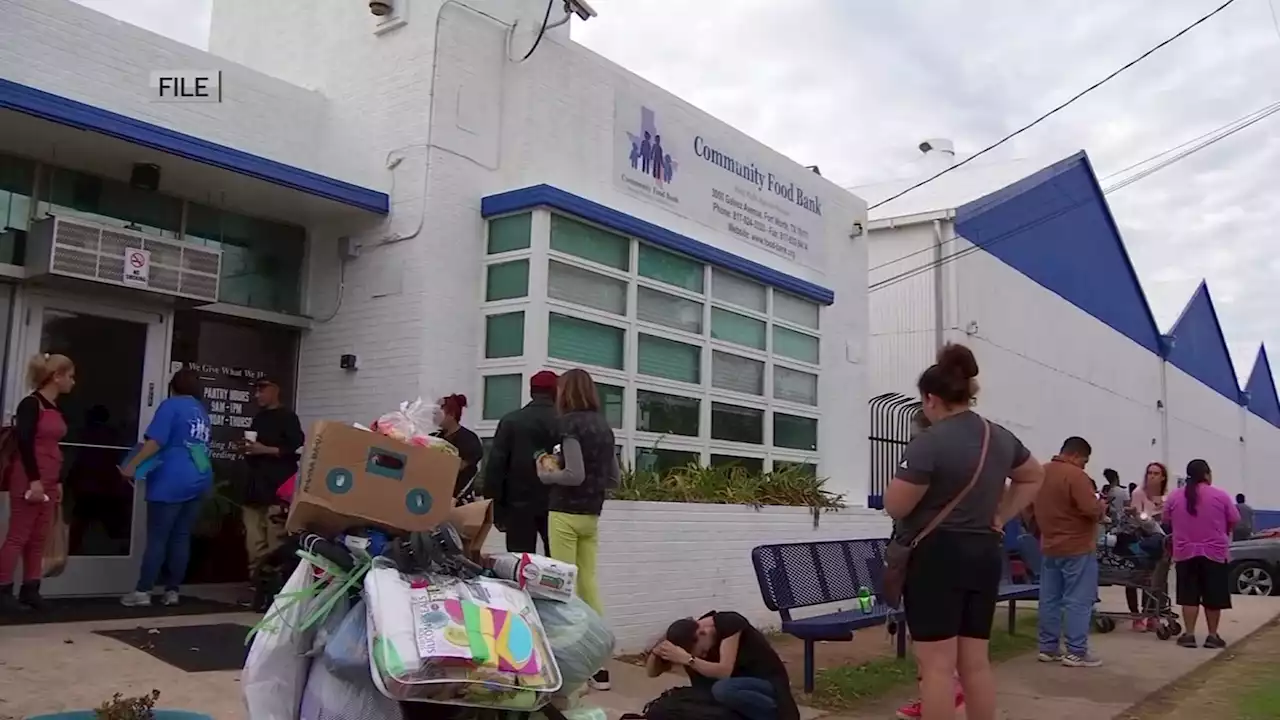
column 1137, row 554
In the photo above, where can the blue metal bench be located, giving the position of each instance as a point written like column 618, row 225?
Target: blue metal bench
column 800, row 575
column 1012, row 592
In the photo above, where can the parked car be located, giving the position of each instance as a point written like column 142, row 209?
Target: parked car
column 1255, row 565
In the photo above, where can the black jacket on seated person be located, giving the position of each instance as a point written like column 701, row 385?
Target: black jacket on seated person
column 510, row 473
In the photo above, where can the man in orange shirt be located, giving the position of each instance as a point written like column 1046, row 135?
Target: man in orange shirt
column 1067, row 512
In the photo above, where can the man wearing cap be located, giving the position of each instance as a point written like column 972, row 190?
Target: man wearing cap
column 510, row 474
column 271, row 454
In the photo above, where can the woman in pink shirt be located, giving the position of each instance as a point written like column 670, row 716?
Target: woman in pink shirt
column 1202, row 517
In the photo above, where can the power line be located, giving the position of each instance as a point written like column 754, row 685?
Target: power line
column 1205, row 140
column 1047, row 115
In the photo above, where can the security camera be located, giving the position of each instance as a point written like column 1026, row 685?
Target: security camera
column 581, row 8
column 380, row 8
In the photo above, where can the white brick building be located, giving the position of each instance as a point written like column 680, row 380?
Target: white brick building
column 407, row 191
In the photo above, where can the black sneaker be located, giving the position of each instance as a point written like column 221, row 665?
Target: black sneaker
column 9, row 603
column 1214, row 642
column 600, row 681
column 1187, row 640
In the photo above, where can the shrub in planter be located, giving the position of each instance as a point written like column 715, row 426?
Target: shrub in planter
column 730, row 485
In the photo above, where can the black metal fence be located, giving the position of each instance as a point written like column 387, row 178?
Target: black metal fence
column 891, row 415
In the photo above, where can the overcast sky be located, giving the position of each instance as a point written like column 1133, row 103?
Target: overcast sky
column 854, row 86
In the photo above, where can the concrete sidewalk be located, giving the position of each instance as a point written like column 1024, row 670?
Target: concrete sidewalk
column 51, row 668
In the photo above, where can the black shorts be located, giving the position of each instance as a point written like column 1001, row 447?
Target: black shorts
column 952, row 583
column 1205, row 583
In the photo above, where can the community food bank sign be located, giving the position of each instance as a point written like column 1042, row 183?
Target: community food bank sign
column 716, row 182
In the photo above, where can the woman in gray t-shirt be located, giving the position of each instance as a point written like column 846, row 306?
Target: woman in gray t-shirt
column 954, row 572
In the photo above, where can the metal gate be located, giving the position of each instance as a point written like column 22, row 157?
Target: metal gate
column 891, row 415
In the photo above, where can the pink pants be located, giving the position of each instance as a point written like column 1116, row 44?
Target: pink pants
column 29, row 524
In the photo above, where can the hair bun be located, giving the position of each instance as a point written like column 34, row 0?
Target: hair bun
column 956, row 358
column 462, row 400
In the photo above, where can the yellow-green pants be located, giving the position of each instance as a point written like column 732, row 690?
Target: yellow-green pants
column 576, row 539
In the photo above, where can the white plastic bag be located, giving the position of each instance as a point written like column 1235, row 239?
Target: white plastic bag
column 580, row 640
column 276, row 670
column 329, row 697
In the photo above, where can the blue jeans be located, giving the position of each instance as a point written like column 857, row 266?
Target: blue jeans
column 752, row 698
column 1028, row 546
column 168, row 543
column 1068, row 589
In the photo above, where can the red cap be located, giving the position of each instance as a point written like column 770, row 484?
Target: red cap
column 543, row 381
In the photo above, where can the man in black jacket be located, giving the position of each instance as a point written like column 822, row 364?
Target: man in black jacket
column 510, row 475
column 271, row 454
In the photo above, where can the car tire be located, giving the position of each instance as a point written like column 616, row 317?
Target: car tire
column 1252, row 577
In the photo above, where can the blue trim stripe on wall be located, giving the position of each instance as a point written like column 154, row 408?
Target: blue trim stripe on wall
column 64, row 111
column 1199, row 349
column 1261, row 389
column 557, row 199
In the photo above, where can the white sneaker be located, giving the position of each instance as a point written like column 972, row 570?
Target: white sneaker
column 170, row 598
column 136, row 599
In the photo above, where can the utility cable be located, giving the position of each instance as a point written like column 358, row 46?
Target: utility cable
column 1055, row 110
column 1203, row 141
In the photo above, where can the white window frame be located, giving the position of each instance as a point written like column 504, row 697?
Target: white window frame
column 538, row 306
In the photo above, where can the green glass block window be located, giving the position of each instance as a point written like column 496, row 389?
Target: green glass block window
column 659, row 357
column 590, row 243
column 667, row 414
column 574, row 285
column 582, row 341
column 502, row 394
column 797, row 346
column 510, row 233
column 612, row 403
column 739, row 374
column 797, row 433
column 738, row 329
column 748, row 464
column 737, row 424
column 795, row 386
column 507, row 280
column 504, row 335
column 661, row 461
column 739, row 291
column 670, row 268
column 793, row 309
column 664, row 309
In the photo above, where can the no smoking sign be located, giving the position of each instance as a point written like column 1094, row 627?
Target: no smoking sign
column 137, row 267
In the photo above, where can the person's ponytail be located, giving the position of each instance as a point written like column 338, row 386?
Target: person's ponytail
column 1197, row 473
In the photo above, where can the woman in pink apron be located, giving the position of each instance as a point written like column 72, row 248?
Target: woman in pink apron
column 34, row 478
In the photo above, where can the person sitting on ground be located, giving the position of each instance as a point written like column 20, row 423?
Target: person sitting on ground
column 726, row 654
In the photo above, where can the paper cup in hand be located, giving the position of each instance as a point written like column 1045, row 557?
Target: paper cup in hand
column 251, row 435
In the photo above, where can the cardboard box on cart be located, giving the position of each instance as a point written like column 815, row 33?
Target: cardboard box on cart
column 350, row 477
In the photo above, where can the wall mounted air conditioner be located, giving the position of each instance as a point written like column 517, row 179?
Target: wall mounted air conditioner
column 75, row 248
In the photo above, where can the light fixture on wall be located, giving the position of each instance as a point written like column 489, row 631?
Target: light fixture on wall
column 380, row 8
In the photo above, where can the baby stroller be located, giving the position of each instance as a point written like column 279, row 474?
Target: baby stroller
column 1137, row 554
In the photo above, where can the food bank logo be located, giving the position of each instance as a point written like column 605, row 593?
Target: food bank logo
column 647, row 153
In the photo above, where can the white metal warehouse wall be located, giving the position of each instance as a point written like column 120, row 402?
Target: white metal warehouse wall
column 1050, row 370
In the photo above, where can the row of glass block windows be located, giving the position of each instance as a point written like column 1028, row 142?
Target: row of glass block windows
column 667, row 414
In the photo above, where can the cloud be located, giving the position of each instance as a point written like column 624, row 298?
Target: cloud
column 855, row 86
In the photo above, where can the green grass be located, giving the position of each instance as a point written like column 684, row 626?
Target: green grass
column 1261, row 702
column 844, row 687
